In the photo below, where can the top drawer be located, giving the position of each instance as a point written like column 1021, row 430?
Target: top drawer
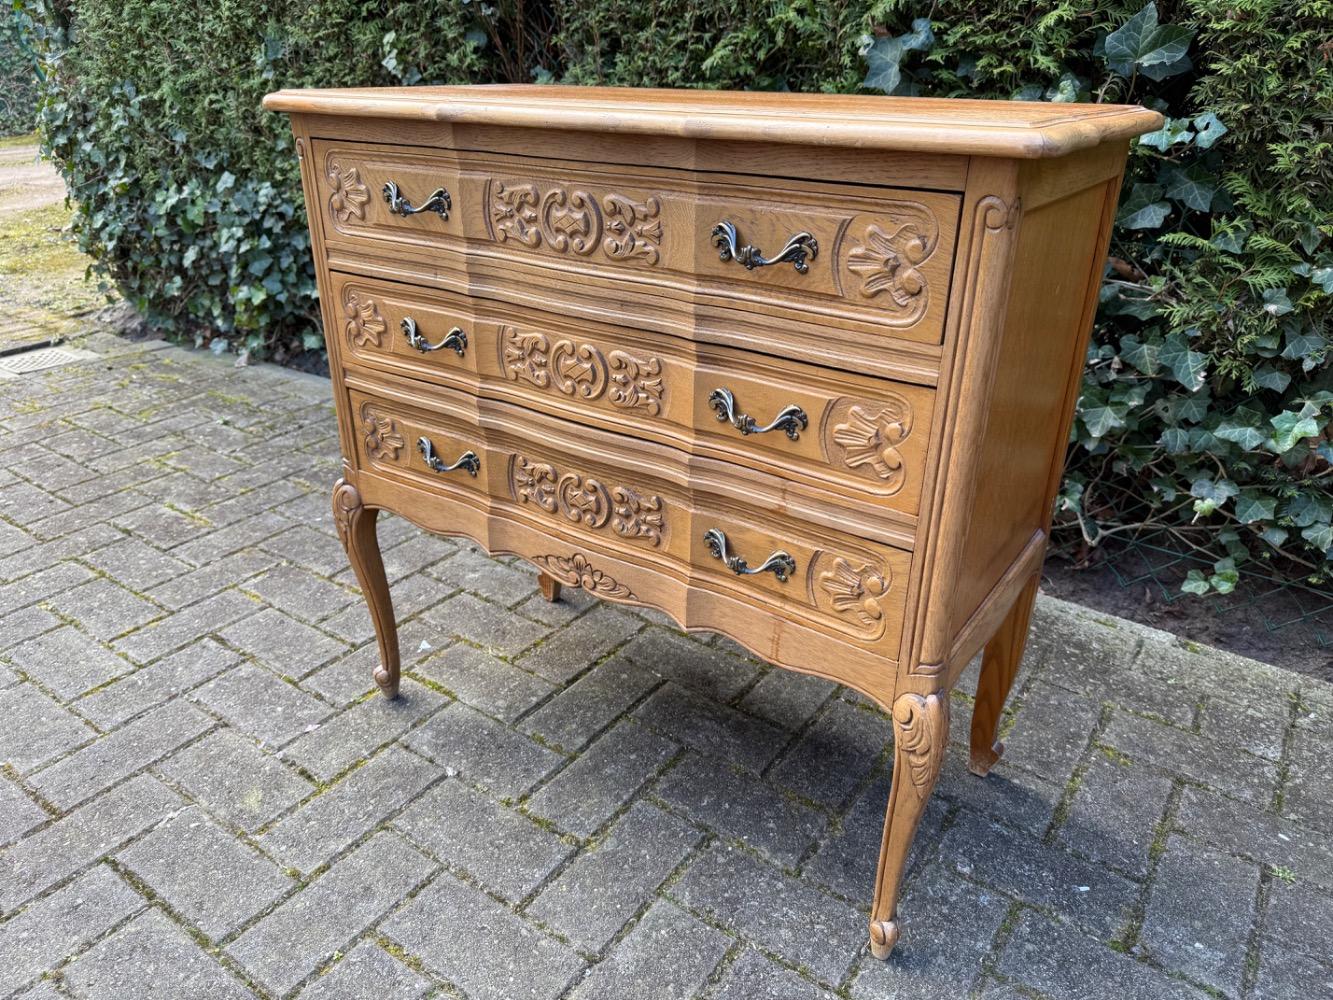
column 872, row 260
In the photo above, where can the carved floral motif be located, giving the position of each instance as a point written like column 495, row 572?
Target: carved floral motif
column 348, row 195
column 381, row 433
column 855, row 591
column 586, row 501
column 573, row 221
column 362, row 321
column 886, row 257
column 576, row 571
column 581, row 370
column 921, row 735
column 870, row 436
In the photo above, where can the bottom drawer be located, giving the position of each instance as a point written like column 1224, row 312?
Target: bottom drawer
column 708, row 527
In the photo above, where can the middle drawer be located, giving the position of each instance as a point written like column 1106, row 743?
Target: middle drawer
column 824, row 428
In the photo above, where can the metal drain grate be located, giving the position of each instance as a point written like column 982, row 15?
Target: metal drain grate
column 18, row 365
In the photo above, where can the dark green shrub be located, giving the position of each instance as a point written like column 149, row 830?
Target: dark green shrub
column 18, row 76
column 1206, row 406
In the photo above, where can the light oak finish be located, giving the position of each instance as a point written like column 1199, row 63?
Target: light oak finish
column 535, row 361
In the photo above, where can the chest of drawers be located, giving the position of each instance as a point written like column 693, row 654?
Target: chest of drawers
column 797, row 369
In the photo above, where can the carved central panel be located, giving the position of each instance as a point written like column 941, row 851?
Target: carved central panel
column 581, row 371
column 573, row 221
column 587, row 501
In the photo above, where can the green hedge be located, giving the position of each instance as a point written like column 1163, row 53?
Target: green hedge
column 1207, row 400
column 18, row 76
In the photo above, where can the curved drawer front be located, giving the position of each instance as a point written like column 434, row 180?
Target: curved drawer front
column 646, row 503
column 876, row 258
column 823, row 428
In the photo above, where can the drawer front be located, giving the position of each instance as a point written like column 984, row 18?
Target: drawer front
column 708, row 527
column 825, row 429
column 879, row 258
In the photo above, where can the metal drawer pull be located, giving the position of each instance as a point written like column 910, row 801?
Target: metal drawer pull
column 455, row 338
column 468, row 460
column 791, row 419
column 439, row 202
column 780, row 563
column 796, row 250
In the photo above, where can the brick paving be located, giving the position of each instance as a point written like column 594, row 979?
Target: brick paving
column 202, row 797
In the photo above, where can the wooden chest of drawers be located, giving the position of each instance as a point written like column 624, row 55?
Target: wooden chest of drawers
column 797, row 369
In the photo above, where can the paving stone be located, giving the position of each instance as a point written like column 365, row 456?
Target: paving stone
column 236, row 780
column 134, row 746
column 161, row 526
column 781, row 914
column 204, row 873
column 752, row 977
column 587, row 792
column 712, row 728
column 304, row 932
column 105, row 609
column 1199, row 914
column 1021, row 799
column 319, row 829
column 578, row 713
column 485, row 682
column 152, row 958
column 212, row 546
column 156, row 683
column 136, row 564
column 1238, row 828
column 1065, row 965
column 565, row 654
column 947, row 929
column 309, row 548
column 281, row 643
column 1305, row 795
column 1114, row 814
column 205, row 581
column 349, row 678
column 573, row 602
column 83, row 836
column 40, row 585
column 418, row 551
column 46, row 933
column 787, row 698
column 68, row 662
column 347, row 737
column 604, row 887
column 484, row 624
column 256, row 702
column 468, row 938
column 1299, row 918
column 208, row 617
column 832, row 757
column 495, row 846
column 471, row 569
column 667, row 948
column 483, row 751
column 1050, row 731
column 1289, row 975
column 368, row 971
column 1257, row 724
column 742, row 807
column 711, row 672
column 26, row 504
column 25, row 624
column 301, row 593
column 1217, row 765
column 18, row 813
column 37, row 728
column 1044, row 876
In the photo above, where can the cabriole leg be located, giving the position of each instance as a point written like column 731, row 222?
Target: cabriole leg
column 999, row 666
column 920, row 736
column 356, row 529
column 550, row 586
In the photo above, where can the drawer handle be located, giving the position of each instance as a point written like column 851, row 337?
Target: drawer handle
column 455, row 338
column 797, row 249
column 791, row 419
column 779, row 563
column 468, row 460
column 439, row 202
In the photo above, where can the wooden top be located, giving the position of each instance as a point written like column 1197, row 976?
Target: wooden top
column 914, row 124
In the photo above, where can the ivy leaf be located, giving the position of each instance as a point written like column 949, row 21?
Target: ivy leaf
column 1210, row 129
column 1306, row 509
column 1102, row 419
column 1176, row 131
column 1292, row 426
column 1276, row 302
column 1192, row 187
column 1195, row 583
column 1211, row 493
column 1323, row 277
column 1176, row 440
column 1247, row 435
column 1142, row 356
column 1274, row 535
column 920, row 38
column 1144, row 209
column 1187, row 366
column 883, row 57
column 1253, row 505
column 1268, row 377
column 1319, row 535
column 1156, row 50
column 1224, row 576
column 1304, row 347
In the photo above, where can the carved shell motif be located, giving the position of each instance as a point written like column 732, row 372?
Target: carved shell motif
column 870, row 437
column 856, row 592
column 886, row 257
column 362, row 321
column 348, row 196
column 382, row 438
column 576, row 571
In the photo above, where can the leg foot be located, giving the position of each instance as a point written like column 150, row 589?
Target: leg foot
column 356, row 530
column 920, row 737
column 550, row 586
column 999, row 666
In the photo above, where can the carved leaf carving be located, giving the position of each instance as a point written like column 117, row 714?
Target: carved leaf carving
column 633, row 228
column 382, row 438
column 523, row 356
column 577, row 571
column 856, row 591
column 348, row 196
column 586, row 501
column 514, row 212
column 921, row 735
column 580, row 370
column 886, row 259
column 636, row 384
column 869, row 436
column 566, row 220
column 362, row 321
column 637, row 516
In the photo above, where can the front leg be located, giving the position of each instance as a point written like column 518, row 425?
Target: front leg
column 920, row 737
column 356, row 530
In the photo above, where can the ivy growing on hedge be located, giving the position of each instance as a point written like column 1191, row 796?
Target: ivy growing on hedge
column 1207, row 399
column 18, row 76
